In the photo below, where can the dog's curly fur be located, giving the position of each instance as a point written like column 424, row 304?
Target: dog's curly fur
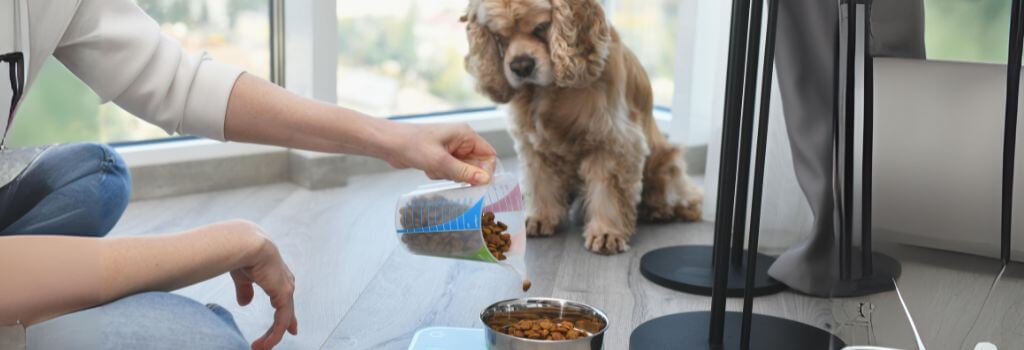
column 582, row 118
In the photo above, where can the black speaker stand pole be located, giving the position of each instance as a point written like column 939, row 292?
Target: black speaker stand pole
column 719, row 329
column 875, row 272
column 689, row 269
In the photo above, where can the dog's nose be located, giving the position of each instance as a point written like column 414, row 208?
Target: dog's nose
column 522, row 66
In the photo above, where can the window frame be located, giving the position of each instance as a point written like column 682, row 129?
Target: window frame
column 303, row 54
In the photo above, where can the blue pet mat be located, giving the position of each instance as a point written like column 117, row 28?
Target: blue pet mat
column 448, row 338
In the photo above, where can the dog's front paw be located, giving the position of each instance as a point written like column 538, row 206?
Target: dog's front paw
column 537, row 227
column 691, row 212
column 692, row 207
column 603, row 242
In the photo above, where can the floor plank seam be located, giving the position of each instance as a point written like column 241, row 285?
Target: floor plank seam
column 361, row 294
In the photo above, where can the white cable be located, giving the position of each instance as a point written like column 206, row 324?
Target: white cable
column 988, row 296
column 917, row 336
column 913, row 326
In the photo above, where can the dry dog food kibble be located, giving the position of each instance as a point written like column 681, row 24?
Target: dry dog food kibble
column 497, row 241
column 429, row 211
column 544, row 329
column 545, row 324
column 452, row 243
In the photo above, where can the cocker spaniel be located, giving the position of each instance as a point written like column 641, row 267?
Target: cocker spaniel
column 581, row 109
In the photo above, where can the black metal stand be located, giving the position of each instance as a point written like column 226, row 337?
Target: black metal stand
column 878, row 280
column 689, row 269
column 861, row 270
column 718, row 329
column 689, row 331
column 1013, row 63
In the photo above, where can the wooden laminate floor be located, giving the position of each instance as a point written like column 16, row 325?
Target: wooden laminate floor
column 358, row 289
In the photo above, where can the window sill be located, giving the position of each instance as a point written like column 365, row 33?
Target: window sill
column 182, row 167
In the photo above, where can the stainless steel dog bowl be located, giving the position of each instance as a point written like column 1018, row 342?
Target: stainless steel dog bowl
column 540, row 308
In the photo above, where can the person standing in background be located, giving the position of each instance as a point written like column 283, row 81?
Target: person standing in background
column 805, row 60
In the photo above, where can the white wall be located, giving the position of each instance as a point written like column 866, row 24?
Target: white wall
column 937, row 161
column 938, row 158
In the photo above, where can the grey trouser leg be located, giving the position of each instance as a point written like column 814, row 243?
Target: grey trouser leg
column 805, row 61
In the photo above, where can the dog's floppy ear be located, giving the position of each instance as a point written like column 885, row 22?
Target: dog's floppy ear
column 484, row 61
column 580, row 35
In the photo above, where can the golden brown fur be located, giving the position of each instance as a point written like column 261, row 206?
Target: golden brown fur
column 581, row 116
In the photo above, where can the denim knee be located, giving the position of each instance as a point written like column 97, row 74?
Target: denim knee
column 171, row 320
column 90, row 180
column 153, row 320
column 63, row 164
column 114, row 187
column 101, row 158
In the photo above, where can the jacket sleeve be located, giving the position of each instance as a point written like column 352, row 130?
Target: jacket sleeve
column 121, row 54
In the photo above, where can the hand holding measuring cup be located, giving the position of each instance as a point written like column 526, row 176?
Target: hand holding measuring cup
column 443, row 151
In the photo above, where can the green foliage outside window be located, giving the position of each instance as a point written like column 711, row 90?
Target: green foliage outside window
column 60, row 108
column 415, row 51
column 967, row 30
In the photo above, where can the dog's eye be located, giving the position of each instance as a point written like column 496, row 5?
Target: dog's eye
column 541, row 30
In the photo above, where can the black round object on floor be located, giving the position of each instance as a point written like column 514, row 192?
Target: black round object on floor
column 689, row 331
column 688, row 269
column 885, row 269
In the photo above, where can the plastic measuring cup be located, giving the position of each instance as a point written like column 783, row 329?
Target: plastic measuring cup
column 446, row 220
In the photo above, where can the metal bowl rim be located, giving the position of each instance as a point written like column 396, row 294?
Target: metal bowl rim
column 599, row 312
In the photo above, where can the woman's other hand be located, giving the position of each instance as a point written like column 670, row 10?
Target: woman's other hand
column 266, row 268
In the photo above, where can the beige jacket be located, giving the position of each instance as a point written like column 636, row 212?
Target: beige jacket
column 120, row 53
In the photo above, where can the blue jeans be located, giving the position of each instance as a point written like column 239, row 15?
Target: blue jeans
column 77, row 189
column 151, row 321
column 82, row 190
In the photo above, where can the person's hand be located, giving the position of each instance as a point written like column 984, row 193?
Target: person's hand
column 268, row 270
column 443, row 151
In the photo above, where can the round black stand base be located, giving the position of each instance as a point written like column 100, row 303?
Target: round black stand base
column 885, row 270
column 688, row 269
column 689, row 331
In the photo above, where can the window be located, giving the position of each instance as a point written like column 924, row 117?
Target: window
column 959, row 30
column 233, row 31
column 649, row 29
column 401, row 57
column 396, row 57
